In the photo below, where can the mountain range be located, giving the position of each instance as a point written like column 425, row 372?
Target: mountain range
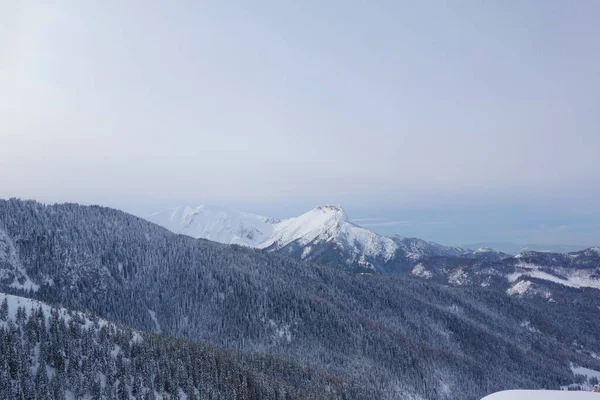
column 515, row 248
column 324, row 234
column 262, row 321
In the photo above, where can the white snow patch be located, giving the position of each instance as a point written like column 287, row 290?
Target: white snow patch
column 541, row 395
column 137, row 338
column 445, row 388
column 157, row 328
column 362, row 261
column 455, row 308
column 519, row 288
column 421, row 271
column 306, row 252
column 484, row 250
column 457, row 277
column 529, row 326
column 586, row 372
column 282, row 332
column 115, row 351
column 576, row 278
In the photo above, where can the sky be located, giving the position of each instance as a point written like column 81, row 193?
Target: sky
column 458, row 122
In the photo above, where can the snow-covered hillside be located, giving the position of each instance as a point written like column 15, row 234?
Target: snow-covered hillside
column 542, row 395
column 574, row 270
column 14, row 303
column 576, row 278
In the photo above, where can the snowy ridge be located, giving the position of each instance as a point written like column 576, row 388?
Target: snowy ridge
column 216, row 224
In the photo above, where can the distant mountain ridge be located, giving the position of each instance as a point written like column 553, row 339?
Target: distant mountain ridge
column 515, row 248
column 324, row 234
column 216, row 224
column 571, row 279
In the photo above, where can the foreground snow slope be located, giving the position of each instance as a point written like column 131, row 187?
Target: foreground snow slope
column 542, row 395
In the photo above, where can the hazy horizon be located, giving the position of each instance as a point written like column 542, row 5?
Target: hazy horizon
column 457, row 123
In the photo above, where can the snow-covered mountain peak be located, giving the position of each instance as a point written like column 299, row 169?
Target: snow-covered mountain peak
column 323, row 222
column 329, row 227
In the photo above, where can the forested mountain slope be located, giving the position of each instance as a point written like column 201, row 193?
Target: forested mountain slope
column 570, row 279
column 52, row 353
column 395, row 336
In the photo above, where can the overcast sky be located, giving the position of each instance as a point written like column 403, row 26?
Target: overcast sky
column 454, row 121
